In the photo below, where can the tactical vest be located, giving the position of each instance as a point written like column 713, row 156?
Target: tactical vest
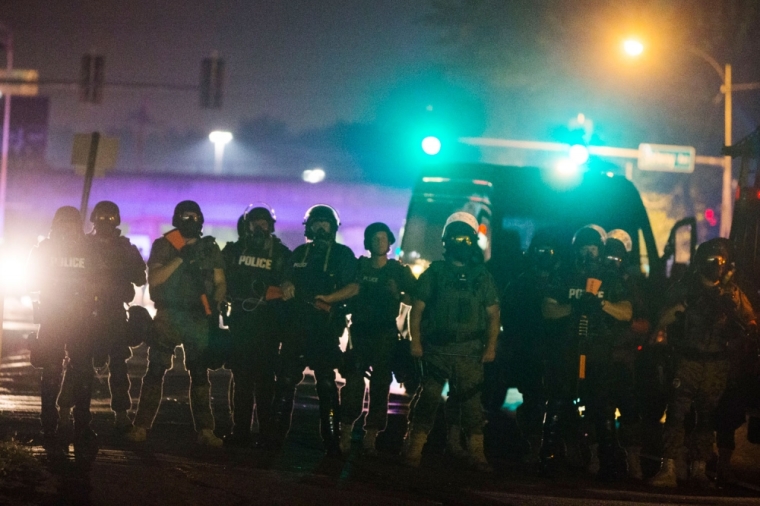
column 250, row 272
column 377, row 304
column 454, row 312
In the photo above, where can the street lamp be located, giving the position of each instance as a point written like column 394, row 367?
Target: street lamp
column 220, row 139
column 634, row 47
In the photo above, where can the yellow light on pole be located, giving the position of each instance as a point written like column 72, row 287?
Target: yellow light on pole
column 633, row 47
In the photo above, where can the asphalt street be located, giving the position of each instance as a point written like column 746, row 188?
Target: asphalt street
column 171, row 469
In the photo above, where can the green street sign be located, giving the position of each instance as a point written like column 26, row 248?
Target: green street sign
column 664, row 158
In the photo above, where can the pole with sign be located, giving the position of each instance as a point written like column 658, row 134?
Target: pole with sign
column 92, row 155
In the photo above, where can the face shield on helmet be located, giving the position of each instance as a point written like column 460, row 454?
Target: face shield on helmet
column 713, row 260
column 321, row 222
column 460, row 237
column 105, row 217
column 614, row 252
column 258, row 223
column 588, row 242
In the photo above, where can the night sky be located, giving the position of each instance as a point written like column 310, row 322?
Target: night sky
column 524, row 67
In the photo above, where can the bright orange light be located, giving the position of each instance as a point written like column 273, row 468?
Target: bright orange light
column 633, row 47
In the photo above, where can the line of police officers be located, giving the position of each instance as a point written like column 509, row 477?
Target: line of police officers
column 569, row 327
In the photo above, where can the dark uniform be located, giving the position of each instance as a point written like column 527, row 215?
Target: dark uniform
column 579, row 357
column 525, row 338
column 319, row 267
column 373, row 335
column 183, row 309
column 254, row 272
column 64, row 268
column 121, row 266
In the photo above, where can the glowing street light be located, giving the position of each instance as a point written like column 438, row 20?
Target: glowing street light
column 316, row 175
column 578, row 154
column 220, row 138
column 431, row 145
column 633, row 47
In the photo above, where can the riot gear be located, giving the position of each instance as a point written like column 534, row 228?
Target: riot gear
column 67, row 225
column 260, row 211
column 713, row 260
column 321, row 212
column 543, row 252
column 373, row 229
column 105, row 217
column 585, row 238
column 189, row 226
column 460, row 237
column 614, row 252
column 622, row 236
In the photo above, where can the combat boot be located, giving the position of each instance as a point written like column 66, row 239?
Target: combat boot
column 415, row 442
column 699, row 476
column 206, row 437
column 725, row 473
column 454, row 443
column 682, row 465
column 137, row 434
column 345, row 439
column 476, row 455
column 666, row 476
column 369, row 443
column 633, row 459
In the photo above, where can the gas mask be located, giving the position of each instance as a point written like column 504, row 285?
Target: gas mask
column 256, row 236
column 713, row 268
column 190, row 226
column 459, row 248
column 544, row 258
column 105, row 225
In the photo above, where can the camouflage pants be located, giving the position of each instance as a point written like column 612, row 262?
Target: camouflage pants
column 172, row 328
column 699, row 383
column 460, row 364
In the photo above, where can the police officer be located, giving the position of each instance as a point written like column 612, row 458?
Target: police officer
column 121, row 267
column 454, row 329
column 316, row 271
column 381, row 285
column 524, row 332
column 705, row 311
column 583, row 307
column 254, row 267
column 186, row 278
column 63, row 272
column 629, row 340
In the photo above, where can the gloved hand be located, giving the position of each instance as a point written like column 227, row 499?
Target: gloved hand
column 190, row 253
column 589, row 303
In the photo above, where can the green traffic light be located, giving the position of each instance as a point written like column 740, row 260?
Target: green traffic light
column 431, row 145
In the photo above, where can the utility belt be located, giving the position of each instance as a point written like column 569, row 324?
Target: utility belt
column 701, row 356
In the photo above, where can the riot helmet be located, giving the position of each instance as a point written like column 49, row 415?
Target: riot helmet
column 617, row 247
column 67, row 225
column 460, row 237
column 258, row 223
column 588, row 242
column 189, row 225
column 374, row 228
column 714, row 260
column 317, row 213
column 543, row 251
column 105, row 217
